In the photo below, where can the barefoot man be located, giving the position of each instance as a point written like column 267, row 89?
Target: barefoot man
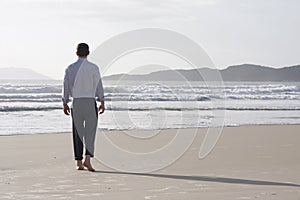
column 82, row 81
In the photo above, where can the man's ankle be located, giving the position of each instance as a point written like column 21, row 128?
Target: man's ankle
column 87, row 159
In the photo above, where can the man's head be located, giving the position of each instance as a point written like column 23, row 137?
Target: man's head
column 82, row 50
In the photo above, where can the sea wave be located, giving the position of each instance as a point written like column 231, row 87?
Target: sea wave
column 45, row 108
column 161, row 93
column 31, row 89
column 24, row 108
column 157, row 97
column 155, row 88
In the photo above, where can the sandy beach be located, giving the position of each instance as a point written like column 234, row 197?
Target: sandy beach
column 248, row 162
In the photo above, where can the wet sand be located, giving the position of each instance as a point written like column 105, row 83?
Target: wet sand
column 248, row 162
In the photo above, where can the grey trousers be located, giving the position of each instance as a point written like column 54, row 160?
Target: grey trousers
column 85, row 120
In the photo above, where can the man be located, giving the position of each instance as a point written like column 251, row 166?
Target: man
column 82, row 81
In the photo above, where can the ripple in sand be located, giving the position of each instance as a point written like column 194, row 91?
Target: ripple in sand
column 150, row 197
column 182, row 192
column 76, row 190
column 244, row 198
column 64, row 186
column 164, row 189
column 96, row 194
column 110, row 181
column 96, row 184
column 64, row 181
column 38, row 185
column 125, row 189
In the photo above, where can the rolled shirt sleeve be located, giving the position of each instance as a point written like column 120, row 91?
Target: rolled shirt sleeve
column 99, row 89
column 66, row 88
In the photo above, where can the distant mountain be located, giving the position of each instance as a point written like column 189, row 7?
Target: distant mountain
column 15, row 73
column 248, row 72
column 245, row 72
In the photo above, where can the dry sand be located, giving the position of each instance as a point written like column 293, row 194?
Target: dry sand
column 249, row 162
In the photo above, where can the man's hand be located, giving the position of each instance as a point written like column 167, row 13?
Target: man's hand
column 101, row 108
column 66, row 109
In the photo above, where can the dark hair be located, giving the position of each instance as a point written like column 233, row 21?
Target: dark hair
column 83, row 49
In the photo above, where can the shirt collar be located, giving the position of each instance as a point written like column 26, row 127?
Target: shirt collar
column 81, row 59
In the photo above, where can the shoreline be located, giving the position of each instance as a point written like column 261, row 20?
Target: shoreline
column 147, row 130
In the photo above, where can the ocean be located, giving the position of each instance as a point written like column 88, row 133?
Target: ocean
column 29, row 107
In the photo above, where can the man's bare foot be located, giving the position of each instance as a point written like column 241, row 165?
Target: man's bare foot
column 89, row 167
column 87, row 163
column 79, row 165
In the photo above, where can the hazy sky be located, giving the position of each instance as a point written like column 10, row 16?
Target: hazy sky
column 43, row 34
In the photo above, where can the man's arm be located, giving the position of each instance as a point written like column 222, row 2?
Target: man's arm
column 66, row 93
column 100, row 94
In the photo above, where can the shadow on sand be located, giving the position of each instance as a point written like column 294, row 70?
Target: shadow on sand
column 206, row 179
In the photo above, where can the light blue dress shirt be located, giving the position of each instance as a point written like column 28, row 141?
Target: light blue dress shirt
column 82, row 80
